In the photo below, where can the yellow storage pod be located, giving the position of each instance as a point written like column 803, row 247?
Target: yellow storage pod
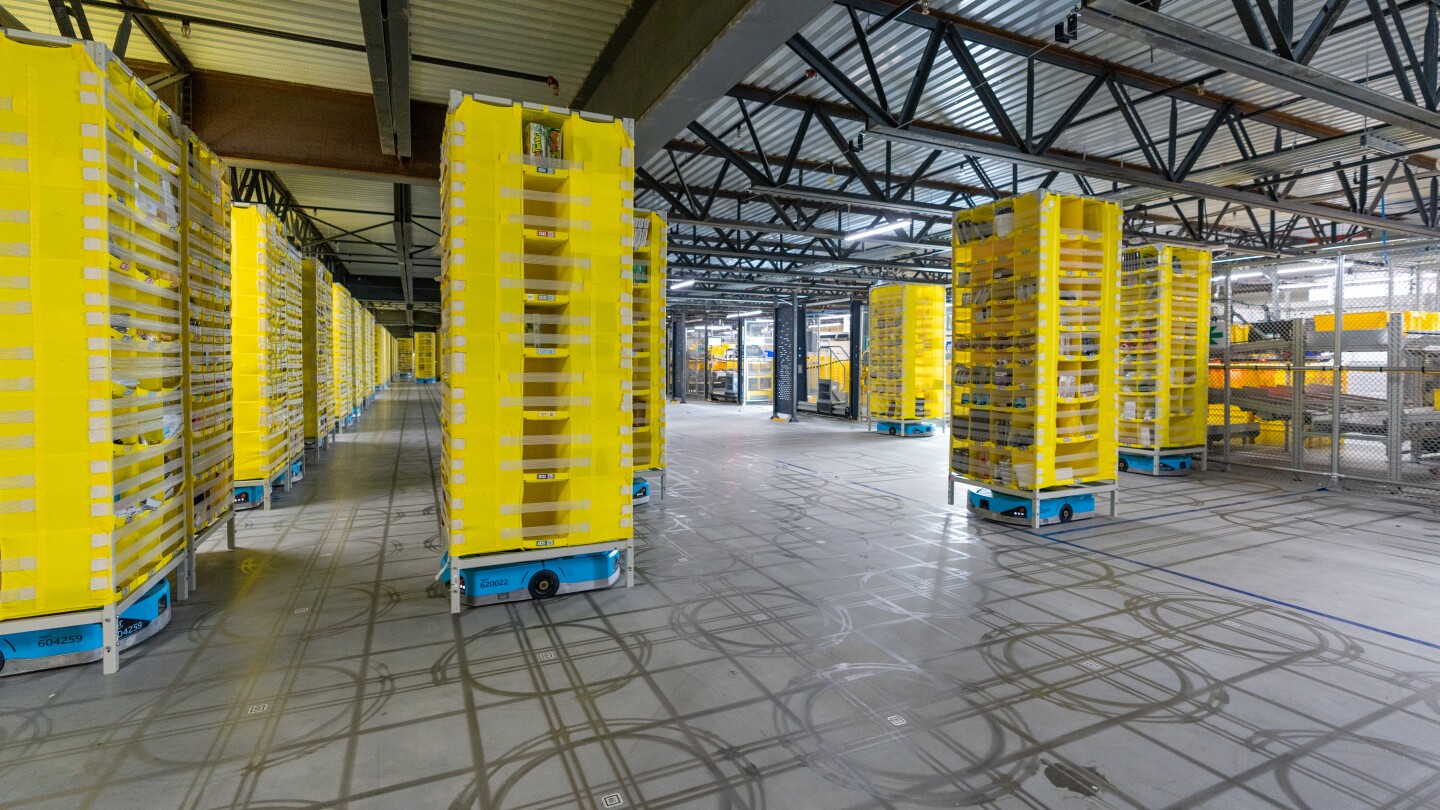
column 382, row 356
column 342, row 349
column 1035, row 341
column 291, row 306
column 318, row 304
column 1164, row 328
column 406, row 365
column 209, row 407
column 257, row 277
column 905, row 368
column 357, row 356
column 92, row 467
column 425, row 356
column 648, row 320
column 365, row 374
column 537, row 256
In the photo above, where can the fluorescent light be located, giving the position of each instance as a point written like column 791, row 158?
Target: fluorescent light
column 747, row 314
column 854, row 200
column 1236, row 276
column 683, row 284
column 879, row 229
column 1308, row 268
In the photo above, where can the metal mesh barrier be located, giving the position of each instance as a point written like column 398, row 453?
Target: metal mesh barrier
column 1327, row 370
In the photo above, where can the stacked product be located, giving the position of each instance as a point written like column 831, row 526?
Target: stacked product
column 536, row 415
column 294, row 361
column 425, row 357
column 259, row 345
column 905, row 372
column 318, row 302
column 1164, row 335
column 1034, row 356
column 210, row 440
column 365, row 372
column 358, row 392
column 100, row 192
column 382, row 357
column 406, row 365
column 342, row 349
column 648, row 321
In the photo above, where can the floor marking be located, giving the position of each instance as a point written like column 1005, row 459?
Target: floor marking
column 302, row 610
column 545, row 656
column 611, row 800
column 1190, row 511
column 257, row 708
column 897, row 720
column 1232, row 589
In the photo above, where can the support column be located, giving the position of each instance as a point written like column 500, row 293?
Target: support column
column 784, row 377
column 857, row 324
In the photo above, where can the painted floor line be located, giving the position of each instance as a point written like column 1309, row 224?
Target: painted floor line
column 1232, row 589
column 1189, row 511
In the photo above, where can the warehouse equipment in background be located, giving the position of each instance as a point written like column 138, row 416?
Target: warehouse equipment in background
column 1164, row 320
column 905, row 368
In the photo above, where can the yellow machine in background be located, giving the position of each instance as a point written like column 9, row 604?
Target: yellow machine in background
column 904, row 368
column 1163, row 379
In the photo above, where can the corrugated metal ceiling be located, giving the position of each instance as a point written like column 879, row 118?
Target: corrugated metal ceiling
column 1353, row 52
column 35, row 14
column 560, row 38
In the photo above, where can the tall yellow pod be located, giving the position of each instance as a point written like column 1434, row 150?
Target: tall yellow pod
column 538, row 347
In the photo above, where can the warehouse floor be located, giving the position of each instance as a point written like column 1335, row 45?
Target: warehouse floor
column 811, row 628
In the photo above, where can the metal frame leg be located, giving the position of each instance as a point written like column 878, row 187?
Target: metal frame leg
column 630, row 564
column 1114, row 501
column 1035, row 512
column 182, row 573
column 268, row 490
column 950, row 481
column 454, row 586
column 110, row 638
column 230, row 534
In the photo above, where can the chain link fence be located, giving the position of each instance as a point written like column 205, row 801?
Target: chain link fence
column 1327, row 370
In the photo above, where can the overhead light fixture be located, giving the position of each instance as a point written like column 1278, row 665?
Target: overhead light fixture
column 854, row 201
column 1236, row 276
column 879, row 229
column 683, row 284
column 1308, row 268
column 747, row 314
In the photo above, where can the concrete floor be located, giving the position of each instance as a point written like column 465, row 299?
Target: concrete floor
column 811, row 628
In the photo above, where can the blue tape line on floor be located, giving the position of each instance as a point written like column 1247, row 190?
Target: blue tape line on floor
column 1232, row 589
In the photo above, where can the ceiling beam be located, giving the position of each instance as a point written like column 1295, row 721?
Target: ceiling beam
column 387, row 49
column 1157, row 30
column 683, row 55
column 974, row 144
column 8, row 20
column 309, row 128
column 143, row 12
column 404, row 247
